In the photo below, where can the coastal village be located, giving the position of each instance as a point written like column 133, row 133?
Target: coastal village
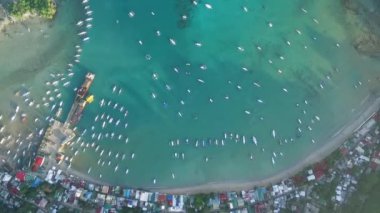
column 328, row 184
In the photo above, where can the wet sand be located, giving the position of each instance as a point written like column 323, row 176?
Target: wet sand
column 370, row 106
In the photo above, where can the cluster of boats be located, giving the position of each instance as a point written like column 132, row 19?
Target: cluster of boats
column 85, row 24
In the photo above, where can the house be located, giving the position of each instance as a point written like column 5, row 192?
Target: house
column 359, row 150
column 20, row 176
column 38, row 162
column 6, row 178
column 144, row 196
column 43, row 202
column 105, row 189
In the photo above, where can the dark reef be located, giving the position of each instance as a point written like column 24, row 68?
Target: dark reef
column 367, row 15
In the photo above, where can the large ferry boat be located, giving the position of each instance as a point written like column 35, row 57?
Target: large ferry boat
column 80, row 101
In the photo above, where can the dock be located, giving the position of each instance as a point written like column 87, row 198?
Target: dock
column 59, row 134
column 80, row 101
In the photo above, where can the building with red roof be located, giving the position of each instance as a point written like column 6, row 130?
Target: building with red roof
column 223, row 197
column 38, row 161
column 320, row 169
column 20, row 175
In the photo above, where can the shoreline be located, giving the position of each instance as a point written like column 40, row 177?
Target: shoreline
column 370, row 105
column 369, row 109
column 334, row 141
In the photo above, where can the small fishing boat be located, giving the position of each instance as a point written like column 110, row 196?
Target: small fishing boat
column 254, row 140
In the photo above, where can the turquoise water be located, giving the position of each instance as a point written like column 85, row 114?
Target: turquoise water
column 242, row 61
column 231, row 41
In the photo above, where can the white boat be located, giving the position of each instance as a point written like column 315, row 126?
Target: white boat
column 172, row 42
column 317, row 117
column 254, row 140
column 126, row 171
column 206, row 159
column 208, row 6
column 89, row 170
column 80, row 23
column 198, row 44
column 299, row 121
column 274, row 154
column 114, row 89
column 131, row 14
column 86, row 39
column 133, row 155
column 200, row 81
column 82, row 33
column 243, row 139
column 154, row 181
column 13, row 117
column 260, row 101
column 173, row 176
column 116, row 168
column 126, row 140
column 273, row 162
column 247, row 112
column 123, row 157
column 241, row 49
column 273, row 133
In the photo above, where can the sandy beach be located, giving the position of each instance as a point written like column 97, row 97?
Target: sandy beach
column 370, row 106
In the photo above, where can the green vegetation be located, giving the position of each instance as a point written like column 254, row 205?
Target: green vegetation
column 326, row 192
column 43, row 8
column 26, row 208
column 333, row 158
column 366, row 198
column 200, row 203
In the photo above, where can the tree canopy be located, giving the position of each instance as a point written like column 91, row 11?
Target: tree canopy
column 43, row 8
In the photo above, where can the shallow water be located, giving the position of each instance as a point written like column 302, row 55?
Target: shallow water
column 239, row 49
